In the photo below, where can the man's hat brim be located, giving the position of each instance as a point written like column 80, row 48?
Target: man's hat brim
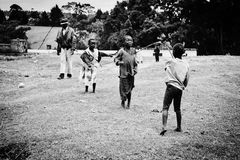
column 62, row 23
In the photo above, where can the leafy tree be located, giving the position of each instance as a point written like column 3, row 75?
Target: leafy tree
column 17, row 14
column 34, row 14
column 15, row 7
column 213, row 25
column 10, row 30
column 78, row 8
column 56, row 15
column 98, row 14
column 2, row 17
column 44, row 19
column 20, row 16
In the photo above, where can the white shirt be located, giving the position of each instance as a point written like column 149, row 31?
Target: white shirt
column 177, row 73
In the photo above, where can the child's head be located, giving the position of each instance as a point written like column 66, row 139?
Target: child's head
column 178, row 50
column 128, row 41
column 92, row 43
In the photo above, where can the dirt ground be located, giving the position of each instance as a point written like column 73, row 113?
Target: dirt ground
column 53, row 119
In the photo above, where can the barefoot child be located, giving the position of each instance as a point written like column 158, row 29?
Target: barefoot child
column 126, row 60
column 91, row 58
column 177, row 72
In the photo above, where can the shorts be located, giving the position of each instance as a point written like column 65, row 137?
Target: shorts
column 175, row 94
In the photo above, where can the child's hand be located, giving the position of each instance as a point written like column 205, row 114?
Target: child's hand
column 120, row 62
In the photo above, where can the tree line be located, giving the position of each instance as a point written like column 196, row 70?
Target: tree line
column 211, row 26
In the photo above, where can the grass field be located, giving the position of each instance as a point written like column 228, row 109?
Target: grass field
column 52, row 119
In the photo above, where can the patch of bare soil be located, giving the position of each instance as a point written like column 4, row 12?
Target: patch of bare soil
column 55, row 119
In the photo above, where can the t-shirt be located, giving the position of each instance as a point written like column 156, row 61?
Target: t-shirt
column 129, row 66
column 177, row 73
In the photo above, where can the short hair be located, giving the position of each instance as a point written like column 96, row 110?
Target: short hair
column 178, row 50
column 91, row 39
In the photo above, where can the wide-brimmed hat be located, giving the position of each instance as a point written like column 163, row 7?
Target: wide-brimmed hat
column 64, row 21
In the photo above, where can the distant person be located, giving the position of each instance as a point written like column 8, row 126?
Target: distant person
column 126, row 60
column 157, row 52
column 91, row 58
column 177, row 71
column 66, row 46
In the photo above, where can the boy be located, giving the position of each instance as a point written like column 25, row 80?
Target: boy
column 177, row 72
column 91, row 58
column 126, row 60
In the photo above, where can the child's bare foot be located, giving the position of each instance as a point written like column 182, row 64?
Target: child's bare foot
column 163, row 132
column 178, row 130
column 123, row 104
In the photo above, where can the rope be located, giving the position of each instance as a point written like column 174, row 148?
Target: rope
column 45, row 38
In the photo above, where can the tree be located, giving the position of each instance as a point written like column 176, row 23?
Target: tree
column 17, row 14
column 34, row 14
column 56, row 15
column 217, row 20
column 98, row 14
column 2, row 17
column 20, row 16
column 10, row 30
column 78, row 8
column 15, row 7
column 44, row 19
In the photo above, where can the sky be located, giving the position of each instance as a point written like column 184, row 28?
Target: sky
column 46, row 5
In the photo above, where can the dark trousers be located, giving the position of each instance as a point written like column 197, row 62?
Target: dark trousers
column 172, row 94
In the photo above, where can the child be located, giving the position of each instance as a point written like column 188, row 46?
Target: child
column 91, row 58
column 126, row 60
column 177, row 72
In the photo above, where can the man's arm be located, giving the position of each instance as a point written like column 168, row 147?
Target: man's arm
column 74, row 40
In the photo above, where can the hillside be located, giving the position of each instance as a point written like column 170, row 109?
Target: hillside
column 37, row 34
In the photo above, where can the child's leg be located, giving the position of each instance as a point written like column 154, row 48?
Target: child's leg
column 129, row 95
column 122, row 91
column 94, row 78
column 94, row 87
column 166, row 104
column 164, row 118
column 87, row 79
column 177, row 109
column 86, row 89
column 123, row 103
column 179, row 119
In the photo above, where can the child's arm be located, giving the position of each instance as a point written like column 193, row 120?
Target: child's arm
column 185, row 82
column 135, row 65
column 118, row 58
column 102, row 54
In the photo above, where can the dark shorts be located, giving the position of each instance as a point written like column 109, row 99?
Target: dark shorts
column 175, row 94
